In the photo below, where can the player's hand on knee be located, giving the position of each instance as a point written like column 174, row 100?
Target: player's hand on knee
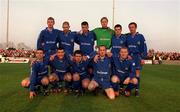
column 134, row 81
column 68, row 77
column 45, row 81
column 92, row 85
column 32, row 94
column 115, row 79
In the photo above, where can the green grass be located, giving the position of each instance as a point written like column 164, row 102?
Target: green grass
column 160, row 92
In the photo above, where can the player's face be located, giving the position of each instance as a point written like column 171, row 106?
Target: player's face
column 132, row 29
column 118, row 30
column 84, row 28
column 124, row 53
column 65, row 27
column 60, row 54
column 50, row 23
column 102, row 51
column 39, row 54
column 78, row 57
column 104, row 23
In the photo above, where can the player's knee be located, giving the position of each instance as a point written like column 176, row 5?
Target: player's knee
column 53, row 77
column 85, row 83
column 126, row 83
column 115, row 79
column 25, row 83
column 45, row 81
column 91, row 86
column 68, row 77
column 76, row 77
column 134, row 81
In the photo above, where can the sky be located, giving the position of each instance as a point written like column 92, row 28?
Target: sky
column 158, row 20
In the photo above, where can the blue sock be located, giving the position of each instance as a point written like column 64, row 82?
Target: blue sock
column 121, row 85
column 115, row 86
column 45, row 87
column 76, row 85
column 129, row 87
column 137, row 86
column 68, row 84
column 54, row 84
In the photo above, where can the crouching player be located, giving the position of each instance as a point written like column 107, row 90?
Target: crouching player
column 38, row 76
column 123, row 72
column 102, row 72
column 81, row 78
column 61, row 73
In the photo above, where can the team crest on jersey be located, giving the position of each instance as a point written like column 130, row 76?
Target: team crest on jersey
column 46, row 66
column 126, row 68
column 72, row 40
column 92, row 40
column 138, row 42
column 121, row 42
column 83, row 68
column 133, row 64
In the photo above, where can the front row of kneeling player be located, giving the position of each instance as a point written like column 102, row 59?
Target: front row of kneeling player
column 73, row 72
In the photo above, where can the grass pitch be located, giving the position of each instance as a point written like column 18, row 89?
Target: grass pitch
column 160, row 92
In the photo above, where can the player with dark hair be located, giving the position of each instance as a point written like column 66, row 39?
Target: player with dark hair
column 137, row 50
column 81, row 79
column 86, row 41
column 62, row 72
column 38, row 76
column 118, row 40
column 123, row 72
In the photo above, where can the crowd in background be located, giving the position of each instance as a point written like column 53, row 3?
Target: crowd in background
column 152, row 54
column 157, row 55
column 17, row 53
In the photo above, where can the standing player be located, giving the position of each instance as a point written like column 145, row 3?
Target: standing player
column 48, row 38
column 39, row 74
column 67, row 38
column 86, row 39
column 137, row 50
column 123, row 72
column 104, row 33
column 102, row 73
column 118, row 40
